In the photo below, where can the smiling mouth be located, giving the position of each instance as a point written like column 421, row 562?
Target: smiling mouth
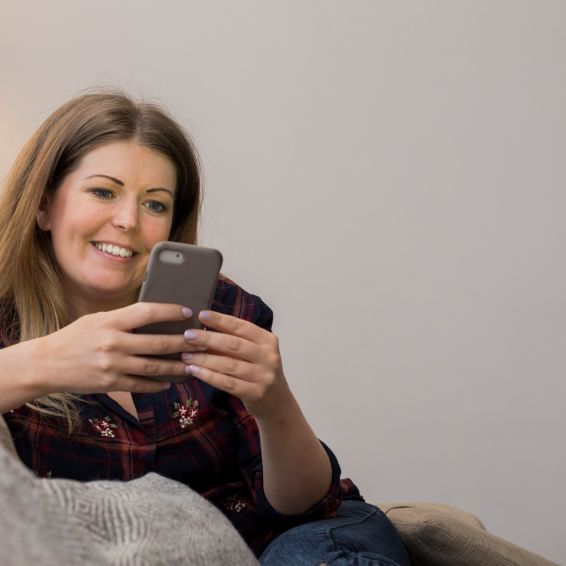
column 114, row 250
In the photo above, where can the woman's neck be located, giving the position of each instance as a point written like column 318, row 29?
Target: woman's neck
column 82, row 305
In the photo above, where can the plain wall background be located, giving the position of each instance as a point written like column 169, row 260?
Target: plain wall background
column 390, row 178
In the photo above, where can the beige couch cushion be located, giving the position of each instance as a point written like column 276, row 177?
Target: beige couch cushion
column 440, row 535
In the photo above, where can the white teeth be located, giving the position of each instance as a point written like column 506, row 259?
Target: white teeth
column 114, row 250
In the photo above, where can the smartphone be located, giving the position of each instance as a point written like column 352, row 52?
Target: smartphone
column 184, row 274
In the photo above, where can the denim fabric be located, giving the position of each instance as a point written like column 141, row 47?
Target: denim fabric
column 360, row 534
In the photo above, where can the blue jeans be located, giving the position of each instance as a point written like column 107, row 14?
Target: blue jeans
column 360, row 534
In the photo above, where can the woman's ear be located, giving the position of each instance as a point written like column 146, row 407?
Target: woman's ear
column 42, row 217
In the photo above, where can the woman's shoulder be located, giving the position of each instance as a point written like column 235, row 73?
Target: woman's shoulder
column 230, row 298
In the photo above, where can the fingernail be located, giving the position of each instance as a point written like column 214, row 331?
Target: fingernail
column 206, row 315
column 187, row 312
column 194, row 370
column 186, row 357
column 190, row 334
column 166, row 386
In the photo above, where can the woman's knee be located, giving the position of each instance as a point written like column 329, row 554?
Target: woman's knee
column 358, row 530
column 363, row 527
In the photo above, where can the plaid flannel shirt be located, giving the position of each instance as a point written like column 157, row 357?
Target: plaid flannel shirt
column 192, row 433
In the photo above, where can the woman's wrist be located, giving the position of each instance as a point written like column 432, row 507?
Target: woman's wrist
column 284, row 409
column 21, row 377
column 34, row 375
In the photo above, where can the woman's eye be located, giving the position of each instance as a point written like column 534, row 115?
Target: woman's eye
column 155, row 206
column 102, row 193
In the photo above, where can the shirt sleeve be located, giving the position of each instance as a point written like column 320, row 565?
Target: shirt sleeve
column 249, row 451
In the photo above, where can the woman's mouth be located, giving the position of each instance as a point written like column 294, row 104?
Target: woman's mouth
column 114, row 250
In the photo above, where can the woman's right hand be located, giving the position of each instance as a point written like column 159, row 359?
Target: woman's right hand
column 99, row 353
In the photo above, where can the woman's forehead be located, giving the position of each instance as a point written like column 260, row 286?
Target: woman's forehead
column 128, row 162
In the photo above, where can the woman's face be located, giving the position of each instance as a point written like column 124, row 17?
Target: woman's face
column 104, row 220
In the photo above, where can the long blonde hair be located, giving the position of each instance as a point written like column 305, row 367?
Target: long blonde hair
column 32, row 302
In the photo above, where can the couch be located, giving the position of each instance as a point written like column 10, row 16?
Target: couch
column 441, row 535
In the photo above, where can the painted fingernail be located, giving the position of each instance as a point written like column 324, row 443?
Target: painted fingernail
column 187, row 357
column 165, row 386
column 187, row 312
column 190, row 334
column 207, row 315
column 194, row 370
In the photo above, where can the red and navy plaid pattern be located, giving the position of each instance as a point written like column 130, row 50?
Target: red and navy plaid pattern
column 192, row 433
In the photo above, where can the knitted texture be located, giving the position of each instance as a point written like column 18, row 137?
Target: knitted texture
column 148, row 521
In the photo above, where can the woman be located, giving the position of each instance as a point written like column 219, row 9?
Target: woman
column 99, row 184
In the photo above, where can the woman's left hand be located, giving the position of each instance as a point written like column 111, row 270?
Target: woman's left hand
column 242, row 359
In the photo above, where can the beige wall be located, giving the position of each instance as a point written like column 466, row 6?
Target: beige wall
column 389, row 176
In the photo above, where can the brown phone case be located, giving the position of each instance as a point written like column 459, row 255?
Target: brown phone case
column 184, row 274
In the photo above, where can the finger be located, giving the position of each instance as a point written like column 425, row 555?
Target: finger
column 230, row 345
column 222, row 364
column 140, row 314
column 234, row 325
column 156, row 344
column 232, row 385
column 138, row 385
column 153, row 367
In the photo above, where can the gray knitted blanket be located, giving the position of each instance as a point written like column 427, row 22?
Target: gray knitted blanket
column 148, row 521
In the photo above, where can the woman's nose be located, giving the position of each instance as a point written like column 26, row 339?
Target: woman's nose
column 126, row 217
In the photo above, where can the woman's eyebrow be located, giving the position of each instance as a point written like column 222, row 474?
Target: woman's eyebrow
column 113, row 179
column 160, row 189
column 121, row 183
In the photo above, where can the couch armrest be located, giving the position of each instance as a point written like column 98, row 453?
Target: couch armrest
column 441, row 535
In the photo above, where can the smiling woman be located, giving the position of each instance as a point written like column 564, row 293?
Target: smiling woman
column 74, row 137
column 103, row 225
column 101, row 182
column 52, row 215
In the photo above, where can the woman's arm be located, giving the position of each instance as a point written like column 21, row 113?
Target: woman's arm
column 97, row 353
column 296, row 469
column 244, row 360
